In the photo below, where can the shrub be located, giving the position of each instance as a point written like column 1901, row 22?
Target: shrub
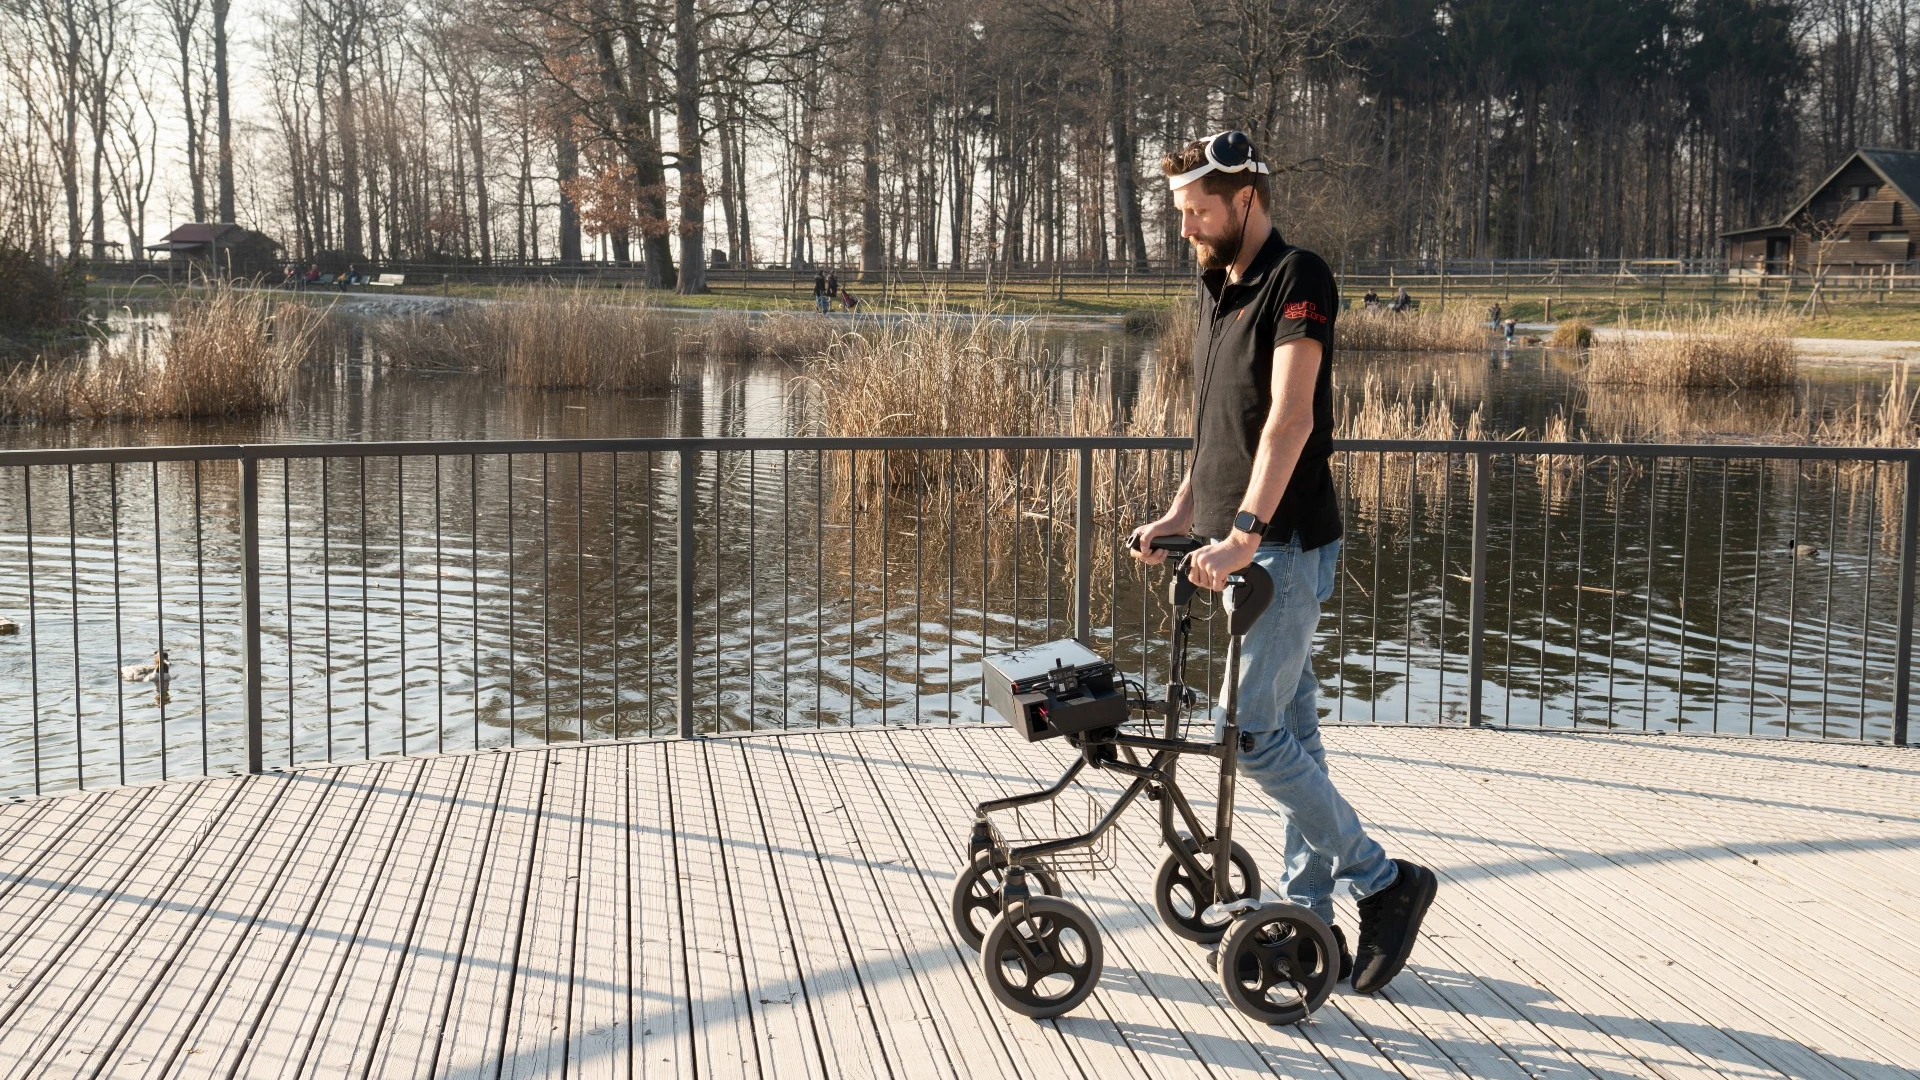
column 33, row 295
column 1571, row 334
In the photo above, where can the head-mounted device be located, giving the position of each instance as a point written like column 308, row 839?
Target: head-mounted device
column 1227, row 152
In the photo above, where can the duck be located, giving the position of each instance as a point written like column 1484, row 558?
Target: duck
column 1802, row 550
column 8, row 626
column 154, row 672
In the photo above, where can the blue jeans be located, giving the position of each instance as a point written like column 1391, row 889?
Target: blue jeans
column 1279, row 717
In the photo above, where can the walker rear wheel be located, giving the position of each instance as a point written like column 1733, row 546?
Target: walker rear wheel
column 1278, row 963
column 1045, row 963
column 1181, row 900
column 975, row 900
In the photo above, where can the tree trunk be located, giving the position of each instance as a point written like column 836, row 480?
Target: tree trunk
column 686, row 119
column 872, row 241
column 567, row 162
column 1132, row 238
column 224, row 123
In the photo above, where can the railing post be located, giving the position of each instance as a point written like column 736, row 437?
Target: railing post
column 1477, row 606
column 250, row 608
column 1083, row 550
column 683, row 617
column 1903, row 647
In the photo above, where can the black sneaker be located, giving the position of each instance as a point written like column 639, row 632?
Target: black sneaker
column 1346, row 954
column 1389, row 924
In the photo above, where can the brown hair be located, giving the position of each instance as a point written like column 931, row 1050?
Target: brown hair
column 1226, row 185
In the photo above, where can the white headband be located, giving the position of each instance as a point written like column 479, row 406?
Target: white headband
column 1175, row 183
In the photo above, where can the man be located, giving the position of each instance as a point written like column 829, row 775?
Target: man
column 1261, row 489
column 820, row 292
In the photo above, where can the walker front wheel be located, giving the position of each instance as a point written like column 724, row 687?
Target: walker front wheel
column 975, row 901
column 1044, row 963
column 1278, row 963
column 1182, row 901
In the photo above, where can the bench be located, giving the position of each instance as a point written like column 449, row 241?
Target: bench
column 388, row 281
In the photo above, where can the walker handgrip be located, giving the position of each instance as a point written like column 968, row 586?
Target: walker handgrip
column 1174, row 545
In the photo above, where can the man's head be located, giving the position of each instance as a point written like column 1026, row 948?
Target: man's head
column 1219, row 184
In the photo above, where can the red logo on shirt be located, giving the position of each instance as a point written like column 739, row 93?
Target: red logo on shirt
column 1304, row 309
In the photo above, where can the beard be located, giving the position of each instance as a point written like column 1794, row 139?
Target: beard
column 1215, row 252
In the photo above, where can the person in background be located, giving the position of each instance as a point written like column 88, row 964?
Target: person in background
column 1493, row 316
column 313, row 273
column 1401, row 301
column 833, row 285
column 1260, row 488
column 1371, row 300
column 1509, row 326
column 820, row 292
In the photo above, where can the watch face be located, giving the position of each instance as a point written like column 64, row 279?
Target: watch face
column 1246, row 522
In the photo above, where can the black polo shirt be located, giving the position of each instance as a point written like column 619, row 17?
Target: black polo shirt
column 1286, row 293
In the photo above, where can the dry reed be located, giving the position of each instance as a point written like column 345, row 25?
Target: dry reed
column 542, row 339
column 1572, row 334
column 1455, row 329
column 1386, row 482
column 1743, row 352
column 228, row 352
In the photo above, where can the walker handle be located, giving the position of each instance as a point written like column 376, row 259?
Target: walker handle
column 1173, row 545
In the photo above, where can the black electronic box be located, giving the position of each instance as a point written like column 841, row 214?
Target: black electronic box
column 1059, row 688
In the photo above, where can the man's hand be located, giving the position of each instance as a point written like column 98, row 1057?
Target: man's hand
column 1209, row 567
column 1140, row 543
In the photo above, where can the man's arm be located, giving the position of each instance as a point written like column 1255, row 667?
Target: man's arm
column 1296, row 365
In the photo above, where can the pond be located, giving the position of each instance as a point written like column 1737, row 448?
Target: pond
column 451, row 602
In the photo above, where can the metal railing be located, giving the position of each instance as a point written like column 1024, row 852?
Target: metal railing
column 340, row 601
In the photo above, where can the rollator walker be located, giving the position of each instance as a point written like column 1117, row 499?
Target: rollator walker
column 1040, row 952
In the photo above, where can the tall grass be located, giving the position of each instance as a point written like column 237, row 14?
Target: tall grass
column 542, row 338
column 1455, row 329
column 228, row 352
column 1381, row 483
column 1742, row 352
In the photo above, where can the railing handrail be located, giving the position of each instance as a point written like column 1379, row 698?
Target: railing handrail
column 664, row 444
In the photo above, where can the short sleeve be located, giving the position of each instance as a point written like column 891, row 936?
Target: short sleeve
column 1304, row 300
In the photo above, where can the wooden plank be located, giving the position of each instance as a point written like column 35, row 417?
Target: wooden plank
column 664, row 1034
column 420, row 993
column 356, row 1005
column 537, row 1017
column 837, row 995
column 600, row 1038
column 92, row 851
column 162, row 985
column 1745, row 914
column 903, row 809
column 1585, row 960
column 470, row 1035
column 774, row 978
column 294, row 986
column 98, row 991
column 907, row 906
column 723, row 1013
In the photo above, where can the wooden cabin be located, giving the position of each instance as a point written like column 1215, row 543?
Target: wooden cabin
column 1861, row 219
column 221, row 248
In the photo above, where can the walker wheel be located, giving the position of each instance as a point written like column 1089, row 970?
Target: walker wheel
column 1180, row 900
column 1045, row 963
column 976, row 897
column 1279, row 963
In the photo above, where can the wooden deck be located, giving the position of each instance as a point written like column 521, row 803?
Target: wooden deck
column 1622, row 906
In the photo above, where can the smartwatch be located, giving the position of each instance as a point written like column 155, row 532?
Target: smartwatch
column 1247, row 523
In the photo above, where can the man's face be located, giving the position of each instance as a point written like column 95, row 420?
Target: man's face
column 1213, row 224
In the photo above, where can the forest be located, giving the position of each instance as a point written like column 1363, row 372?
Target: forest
column 678, row 135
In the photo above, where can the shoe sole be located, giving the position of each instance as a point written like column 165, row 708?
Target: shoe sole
column 1427, row 893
